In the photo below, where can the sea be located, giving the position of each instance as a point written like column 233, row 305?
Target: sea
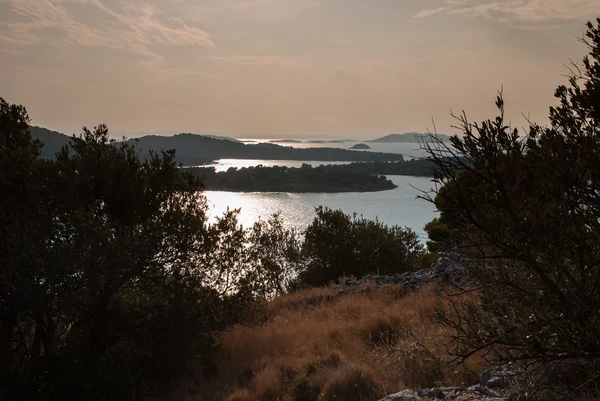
column 400, row 206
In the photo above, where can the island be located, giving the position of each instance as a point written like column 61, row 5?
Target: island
column 410, row 137
column 362, row 146
column 354, row 177
column 193, row 150
column 290, row 179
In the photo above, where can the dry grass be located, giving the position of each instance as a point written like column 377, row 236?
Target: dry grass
column 322, row 347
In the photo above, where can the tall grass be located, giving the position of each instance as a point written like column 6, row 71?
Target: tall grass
column 321, row 346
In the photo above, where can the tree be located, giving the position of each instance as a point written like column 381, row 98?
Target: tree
column 273, row 257
column 112, row 278
column 336, row 244
column 522, row 209
column 439, row 233
column 18, row 154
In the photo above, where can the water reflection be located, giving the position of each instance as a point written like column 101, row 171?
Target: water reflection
column 224, row 164
column 397, row 206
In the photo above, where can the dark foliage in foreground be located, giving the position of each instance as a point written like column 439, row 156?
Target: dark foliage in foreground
column 113, row 281
column 521, row 210
column 111, row 278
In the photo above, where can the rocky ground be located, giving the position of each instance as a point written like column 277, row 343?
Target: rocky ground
column 492, row 386
column 443, row 270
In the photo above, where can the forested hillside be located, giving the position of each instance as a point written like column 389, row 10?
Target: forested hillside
column 194, row 149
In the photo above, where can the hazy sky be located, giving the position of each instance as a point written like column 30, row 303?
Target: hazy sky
column 282, row 67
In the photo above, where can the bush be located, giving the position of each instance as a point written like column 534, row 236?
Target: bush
column 352, row 383
column 380, row 330
column 336, row 245
column 112, row 279
column 521, row 212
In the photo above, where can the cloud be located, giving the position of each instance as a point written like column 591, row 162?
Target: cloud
column 262, row 11
column 134, row 28
column 430, row 12
column 246, row 5
column 10, row 51
column 290, row 62
column 518, row 13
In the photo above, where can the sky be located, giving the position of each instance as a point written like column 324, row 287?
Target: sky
column 284, row 68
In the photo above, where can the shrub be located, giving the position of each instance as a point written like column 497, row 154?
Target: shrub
column 522, row 210
column 241, row 395
column 113, row 280
column 352, row 383
column 380, row 329
column 337, row 244
column 304, row 388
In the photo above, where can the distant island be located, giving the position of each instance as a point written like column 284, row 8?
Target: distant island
column 195, row 149
column 291, row 179
column 285, row 141
column 354, row 177
column 410, row 137
column 360, row 146
column 413, row 167
column 311, row 141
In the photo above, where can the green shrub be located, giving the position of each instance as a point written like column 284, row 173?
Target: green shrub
column 522, row 209
column 337, row 244
column 112, row 278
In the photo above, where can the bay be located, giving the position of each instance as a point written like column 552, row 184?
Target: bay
column 397, row 206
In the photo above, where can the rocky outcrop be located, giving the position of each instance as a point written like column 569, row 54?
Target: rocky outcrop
column 473, row 393
column 493, row 382
column 444, row 269
column 493, row 386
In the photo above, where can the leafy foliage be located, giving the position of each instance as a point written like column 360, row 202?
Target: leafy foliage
column 336, row 244
column 438, row 233
column 521, row 211
column 111, row 277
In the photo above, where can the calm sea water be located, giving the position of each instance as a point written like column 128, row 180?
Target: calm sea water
column 224, row 164
column 398, row 206
column 407, row 149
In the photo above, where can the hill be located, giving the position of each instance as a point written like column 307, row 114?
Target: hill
column 200, row 149
column 196, row 149
column 53, row 141
column 410, row 137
